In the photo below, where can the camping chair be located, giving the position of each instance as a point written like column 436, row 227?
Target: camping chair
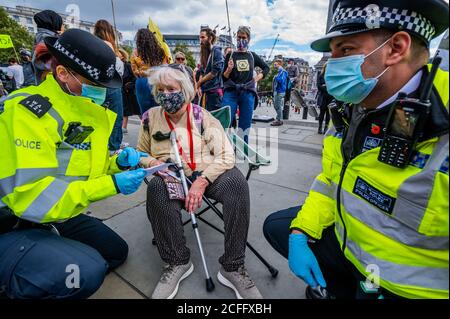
column 255, row 161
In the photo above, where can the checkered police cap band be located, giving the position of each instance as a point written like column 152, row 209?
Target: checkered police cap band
column 92, row 71
column 375, row 17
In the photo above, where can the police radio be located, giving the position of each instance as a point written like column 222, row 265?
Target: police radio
column 77, row 134
column 405, row 123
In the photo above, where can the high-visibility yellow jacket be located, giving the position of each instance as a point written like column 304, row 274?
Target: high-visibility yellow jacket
column 394, row 219
column 42, row 178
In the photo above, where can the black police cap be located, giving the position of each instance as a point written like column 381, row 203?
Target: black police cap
column 426, row 19
column 87, row 55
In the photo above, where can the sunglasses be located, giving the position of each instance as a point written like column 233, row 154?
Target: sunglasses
column 180, row 59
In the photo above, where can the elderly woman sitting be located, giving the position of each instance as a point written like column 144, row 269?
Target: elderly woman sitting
column 209, row 161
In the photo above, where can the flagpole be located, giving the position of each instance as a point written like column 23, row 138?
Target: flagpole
column 114, row 21
column 228, row 17
column 17, row 56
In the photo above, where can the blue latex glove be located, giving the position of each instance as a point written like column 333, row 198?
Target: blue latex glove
column 130, row 181
column 129, row 157
column 302, row 261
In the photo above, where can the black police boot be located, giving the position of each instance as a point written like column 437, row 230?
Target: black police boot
column 318, row 293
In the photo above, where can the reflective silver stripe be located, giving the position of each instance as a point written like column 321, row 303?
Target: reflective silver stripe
column 440, row 152
column 340, row 230
column 70, row 179
column 390, row 227
column 323, row 188
column 415, row 192
column 419, row 276
column 13, row 96
column 63, row 154
column 45, row 201
column 23, row 177
column 53, row 113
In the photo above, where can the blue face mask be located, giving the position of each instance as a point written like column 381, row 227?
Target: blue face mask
column 345, row 81
column 242, row 44
column 96, row 93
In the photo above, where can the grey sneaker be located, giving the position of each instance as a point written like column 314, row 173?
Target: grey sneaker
column 169, row 282
column 240, row 282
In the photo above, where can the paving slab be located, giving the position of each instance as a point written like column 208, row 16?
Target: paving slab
column 112, row 206
column 294, row 170
column 115, row 287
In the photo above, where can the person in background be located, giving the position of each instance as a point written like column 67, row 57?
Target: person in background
column 239, row 83
column 279, row 86
column 29, row 77
column 114, row 101
column 15, row 71
column 180, row 58
column 293, row 73
column 323, row 99
column 49, row 24
column 197, row 75
column 148, row 55
column 211, row 81
column 130, row 104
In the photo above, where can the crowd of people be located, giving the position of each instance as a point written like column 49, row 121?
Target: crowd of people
column 62, row 139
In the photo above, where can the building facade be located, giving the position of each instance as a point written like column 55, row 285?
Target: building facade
column 192, row 42
column 319, row 67
column 24, row 16
column 304, row 77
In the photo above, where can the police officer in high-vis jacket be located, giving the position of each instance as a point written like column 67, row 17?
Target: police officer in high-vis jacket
column 376, row 221
column 54, row 161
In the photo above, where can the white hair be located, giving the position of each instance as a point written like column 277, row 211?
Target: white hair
column 164, row 74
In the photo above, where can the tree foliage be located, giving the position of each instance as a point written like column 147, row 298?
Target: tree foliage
column 189, row 56
column 19, row 35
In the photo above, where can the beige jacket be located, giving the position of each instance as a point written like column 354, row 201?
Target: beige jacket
column 213, row 152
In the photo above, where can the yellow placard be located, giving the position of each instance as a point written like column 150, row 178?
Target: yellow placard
column 5, row 41
column 153, row 27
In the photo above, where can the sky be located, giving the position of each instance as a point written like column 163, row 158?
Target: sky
column 297, row 21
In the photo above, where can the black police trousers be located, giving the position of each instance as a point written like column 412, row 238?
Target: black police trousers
column 38, row 264
column 342, row 278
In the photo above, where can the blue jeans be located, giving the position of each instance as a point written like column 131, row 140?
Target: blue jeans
column 279, row 105
column 34, row 263
column 114, row 102
column 144, row 95
column 246, row 103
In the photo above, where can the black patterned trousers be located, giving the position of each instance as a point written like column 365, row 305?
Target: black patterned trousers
column 231, row 190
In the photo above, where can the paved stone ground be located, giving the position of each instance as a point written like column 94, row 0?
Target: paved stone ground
column 297, row 163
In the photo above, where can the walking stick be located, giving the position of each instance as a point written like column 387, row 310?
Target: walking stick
column 173, row 138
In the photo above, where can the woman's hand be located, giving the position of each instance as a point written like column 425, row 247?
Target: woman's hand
column 258, row 77
column 230, row 65
column 195, row 196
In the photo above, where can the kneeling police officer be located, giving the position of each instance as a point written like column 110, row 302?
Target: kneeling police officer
column 375, row 223
column 54, row 163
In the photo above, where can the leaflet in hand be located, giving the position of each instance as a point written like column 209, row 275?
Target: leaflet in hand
column 158, row 168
